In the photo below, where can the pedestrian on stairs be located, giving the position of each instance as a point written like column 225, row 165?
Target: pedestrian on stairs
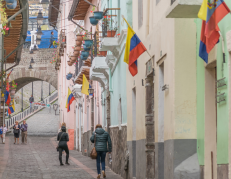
column 16, row 129
column 63, row 139
column 4, row 130
column 102, row 139
column 24, row 127
column 31, row 100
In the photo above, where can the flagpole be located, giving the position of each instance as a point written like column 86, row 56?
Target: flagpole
column 134, row 32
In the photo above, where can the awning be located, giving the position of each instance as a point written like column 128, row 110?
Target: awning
column 79, row 10
column 17, row 33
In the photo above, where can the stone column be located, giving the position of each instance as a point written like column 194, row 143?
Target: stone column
column 149, row 123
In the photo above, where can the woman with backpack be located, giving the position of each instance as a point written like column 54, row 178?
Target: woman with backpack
column 101, row 139
column 63, row 139
column 16, row 129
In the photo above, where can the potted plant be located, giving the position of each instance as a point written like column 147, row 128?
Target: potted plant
column 69, row 76
column 79, row 37
column 87, row 41
column 82, row 57
column 78, row 43
column 85, row 53
column 76, row 53
column 4, row 21
column 111, row 26
column 86, row 48
column 69, row 63
column 77, row 48
column 93, row 21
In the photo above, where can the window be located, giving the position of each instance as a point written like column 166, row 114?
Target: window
column 140, row 13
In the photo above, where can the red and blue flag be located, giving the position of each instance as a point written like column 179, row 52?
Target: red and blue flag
column 211, row 13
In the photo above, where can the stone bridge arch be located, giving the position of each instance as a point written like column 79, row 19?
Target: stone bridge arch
column 42, row 70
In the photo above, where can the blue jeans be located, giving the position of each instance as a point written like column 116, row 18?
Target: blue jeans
column 100, row 158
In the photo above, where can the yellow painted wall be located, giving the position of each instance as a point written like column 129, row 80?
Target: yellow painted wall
column 174, row 41
column 185, row 79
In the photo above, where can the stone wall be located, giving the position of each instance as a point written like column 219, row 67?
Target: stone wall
column 42, row 68
column 119, row 149
column 87, row 146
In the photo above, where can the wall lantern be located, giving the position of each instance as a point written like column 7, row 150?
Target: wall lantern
column 39, row 32
column 38, row 41
column 90, row 91
column 32, row 60
column 40, row 18
column 30, row 67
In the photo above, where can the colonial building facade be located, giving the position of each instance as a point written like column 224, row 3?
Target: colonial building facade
column 171, row 120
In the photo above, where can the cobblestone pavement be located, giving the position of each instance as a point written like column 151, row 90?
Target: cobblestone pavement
column 39, row 160
column 45, row 122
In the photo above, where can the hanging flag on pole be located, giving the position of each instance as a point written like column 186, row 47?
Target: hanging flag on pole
column 85, row 86
column 211, row 14
column 11, row 108
column 70, row 99
column 133, row 49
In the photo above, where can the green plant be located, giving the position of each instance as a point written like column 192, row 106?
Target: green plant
column 3, row 20
column 13, row 85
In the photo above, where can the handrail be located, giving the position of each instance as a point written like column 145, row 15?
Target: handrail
column 28, row 112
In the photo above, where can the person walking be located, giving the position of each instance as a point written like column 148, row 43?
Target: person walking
column 4, row 130
column 101, row 140
column 63, row 138
column 31, row 100
column 52, row 39
column 16, row 132
column 24, row 127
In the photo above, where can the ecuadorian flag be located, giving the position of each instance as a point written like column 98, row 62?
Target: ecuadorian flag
column 11, row 108
column 134, row 48
column 85, row 86
column 211, row 13
column 70, row 99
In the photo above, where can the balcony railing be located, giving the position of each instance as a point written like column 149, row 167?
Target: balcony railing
column 109, row 22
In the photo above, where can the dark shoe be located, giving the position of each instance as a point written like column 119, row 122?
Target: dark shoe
column 61, row 163
column 14, row 142
column 67, row 163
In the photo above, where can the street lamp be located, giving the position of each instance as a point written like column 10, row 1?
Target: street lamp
column 38, row 41
column 39, row 32
column 40, row 17
column 30, row 67
column 90, row 91
column 32, row 60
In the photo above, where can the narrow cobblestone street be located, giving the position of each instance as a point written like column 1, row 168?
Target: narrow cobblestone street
column 39, row 160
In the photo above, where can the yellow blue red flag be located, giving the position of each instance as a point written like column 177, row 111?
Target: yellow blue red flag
column 133, row 49
column 70, row 99
column 211, row 13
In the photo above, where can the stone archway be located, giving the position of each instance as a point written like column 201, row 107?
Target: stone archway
column 42, row 70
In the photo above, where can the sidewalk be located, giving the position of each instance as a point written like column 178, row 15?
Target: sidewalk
column 39, row 160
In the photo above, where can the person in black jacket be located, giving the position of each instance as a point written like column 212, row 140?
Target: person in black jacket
column 102, row 139
column 16, row 131
column 63, row 139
